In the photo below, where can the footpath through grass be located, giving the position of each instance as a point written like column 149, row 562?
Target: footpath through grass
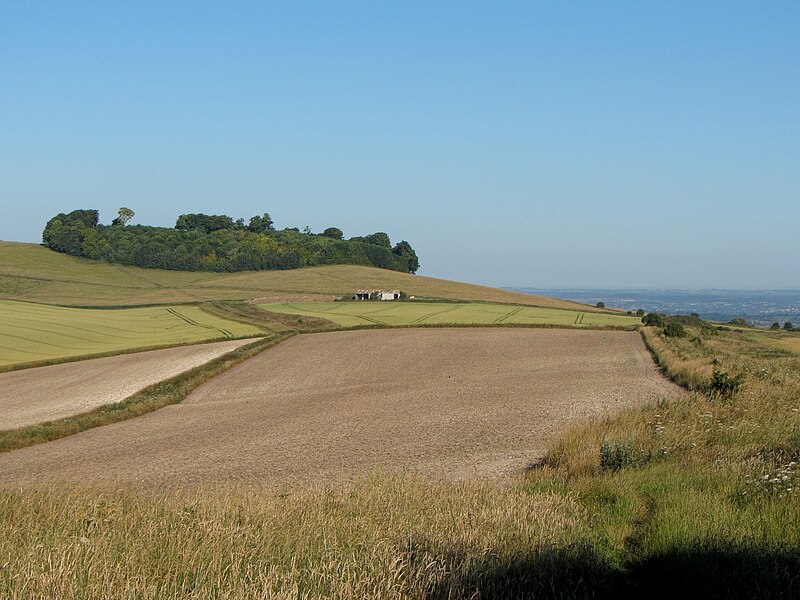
column 394, row 314
column 36, row 333
column 695, row 497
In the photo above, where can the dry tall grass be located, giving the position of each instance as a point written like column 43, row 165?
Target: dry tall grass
column 385, row 538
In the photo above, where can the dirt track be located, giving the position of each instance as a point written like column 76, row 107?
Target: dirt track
column 326, row 408
column 43, row 394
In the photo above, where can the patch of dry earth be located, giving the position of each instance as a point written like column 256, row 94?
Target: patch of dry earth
column 32, row 396
column 329, row 408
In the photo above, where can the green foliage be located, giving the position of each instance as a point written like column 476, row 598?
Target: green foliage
column 262, row 224
column 687, row 320
column 67, row 232
column 618, row 455
column 124, row 215
column 217, row 243
column 600, row 304
column 654, row 319
column 333, row 232
column 206, row 223
column 738, row 321
column 674, row 329
column 640, row 312
column 723, row 385
column 788, row 326
column 775, row 325
column 379, row 239
column 404, row 250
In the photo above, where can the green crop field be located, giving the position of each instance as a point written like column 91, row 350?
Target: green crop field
column 35, row 333
column 352, row 314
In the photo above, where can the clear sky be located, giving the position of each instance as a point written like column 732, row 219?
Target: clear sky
column 541, row 144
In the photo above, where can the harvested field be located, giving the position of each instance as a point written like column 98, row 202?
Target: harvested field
column 328, row 408
column 48, row 393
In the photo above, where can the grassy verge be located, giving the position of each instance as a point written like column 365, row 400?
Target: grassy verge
column 164, row 393
column 699, row 493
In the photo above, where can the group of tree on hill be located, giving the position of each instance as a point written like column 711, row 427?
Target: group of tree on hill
column 200, row 242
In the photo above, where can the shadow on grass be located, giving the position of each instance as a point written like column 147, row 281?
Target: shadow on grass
column 708, row 571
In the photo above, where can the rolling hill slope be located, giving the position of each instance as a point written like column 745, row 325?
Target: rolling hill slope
column 33, row 273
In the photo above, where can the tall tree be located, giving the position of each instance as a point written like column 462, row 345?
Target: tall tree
column 261, row 224
column 404, row 250
column 333, row 232
column 124, row 215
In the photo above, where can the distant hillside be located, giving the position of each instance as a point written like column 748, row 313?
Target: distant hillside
column 34, row 273
column 217, row 243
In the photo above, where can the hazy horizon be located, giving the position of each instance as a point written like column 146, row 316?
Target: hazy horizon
column 583, row 146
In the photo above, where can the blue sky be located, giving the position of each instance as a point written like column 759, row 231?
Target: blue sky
column 581, row 144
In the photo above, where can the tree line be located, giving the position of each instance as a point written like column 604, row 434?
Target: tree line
column 201, row 242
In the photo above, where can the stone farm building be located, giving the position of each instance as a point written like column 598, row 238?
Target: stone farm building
column 379, row 294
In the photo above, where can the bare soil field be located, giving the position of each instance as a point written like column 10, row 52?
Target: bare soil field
column 48, row 393
column 329, row 408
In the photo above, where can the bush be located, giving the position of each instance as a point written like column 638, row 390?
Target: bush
column 738, row 321
column 600, row 304
column 617, row 455
column 333, row 232
column 788, row 326
column 723, row 385
column 775, row 325
column 674, row 329
column 654, row 319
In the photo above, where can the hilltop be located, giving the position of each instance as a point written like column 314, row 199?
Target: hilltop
column 33, row 273
column 218, row 243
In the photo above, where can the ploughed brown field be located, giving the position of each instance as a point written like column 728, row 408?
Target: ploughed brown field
column 328, row 408
column 41, row 394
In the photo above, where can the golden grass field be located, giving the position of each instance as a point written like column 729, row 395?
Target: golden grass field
column 321, row 409
column 33, row 333
column 34, row 273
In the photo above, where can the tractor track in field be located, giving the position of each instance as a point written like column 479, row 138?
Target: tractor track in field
column 436, row 313
column 508, row 315
column 191, row 321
